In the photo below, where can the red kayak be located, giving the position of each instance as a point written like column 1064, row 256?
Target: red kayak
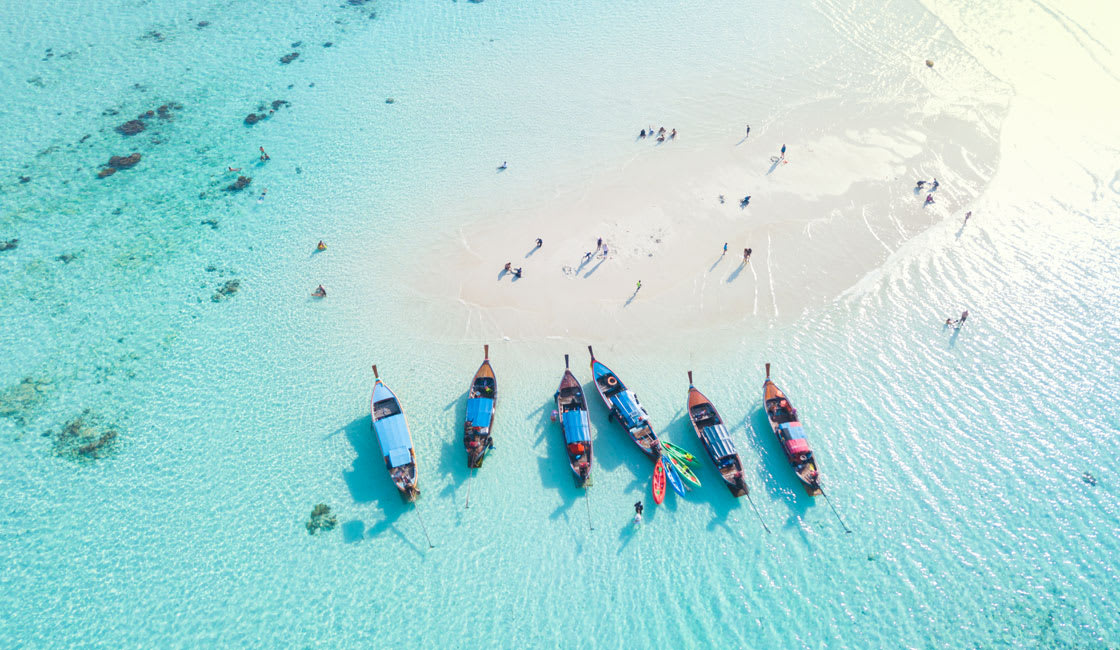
column 659, row 480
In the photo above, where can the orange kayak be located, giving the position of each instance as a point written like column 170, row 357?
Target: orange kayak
column 659, row 481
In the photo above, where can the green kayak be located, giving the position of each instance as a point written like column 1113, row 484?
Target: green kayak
column 684, row 470
column 679, row 453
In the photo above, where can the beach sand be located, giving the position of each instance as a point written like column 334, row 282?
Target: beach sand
column 841, row 202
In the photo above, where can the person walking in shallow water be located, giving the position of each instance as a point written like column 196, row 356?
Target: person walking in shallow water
column 265, row 156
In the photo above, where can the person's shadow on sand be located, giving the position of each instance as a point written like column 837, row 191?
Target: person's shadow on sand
column 632, row 297
column 737, row 271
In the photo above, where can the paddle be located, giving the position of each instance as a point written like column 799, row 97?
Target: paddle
column 757, row 513
column 425, row 528
column 829, row 501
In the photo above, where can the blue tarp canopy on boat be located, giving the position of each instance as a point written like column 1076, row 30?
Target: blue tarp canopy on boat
column 392, row 435
column 479, row 411
column 577, row 428
column 628, row 408
column 792, row 430
column 719, row 440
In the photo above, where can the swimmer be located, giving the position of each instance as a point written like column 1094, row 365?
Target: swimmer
column 233, row 169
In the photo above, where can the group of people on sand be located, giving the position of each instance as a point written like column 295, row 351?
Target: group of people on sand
column 660, row 135
column 957, row 322
column 920, row 185
column 746, row 253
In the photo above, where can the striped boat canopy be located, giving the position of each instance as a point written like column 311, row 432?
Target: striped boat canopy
column 719, row 441
column 792, row 430
column 628, row 408
column 577, row 428
column 479, row 411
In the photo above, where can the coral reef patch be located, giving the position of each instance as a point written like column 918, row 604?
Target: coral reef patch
column 85, row 438
column 321, row 519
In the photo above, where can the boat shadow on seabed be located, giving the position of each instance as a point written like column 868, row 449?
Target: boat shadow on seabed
column 453, row 456
column 775, row 474
column 553, row 466
column 369, row 482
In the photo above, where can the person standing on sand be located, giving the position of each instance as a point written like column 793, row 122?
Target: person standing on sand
column 639, row 286
column 783, row 152
column 539, row 242
column 747, row 255
column 929, row 199
column 967, row 215
column 748, row 134
column 508, row 267
column 725, row 248
column 605, row 251
column 599, row 244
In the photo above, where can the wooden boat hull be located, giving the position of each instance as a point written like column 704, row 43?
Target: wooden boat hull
column 571, row 408
column 801, row 458
column 393, row 437
column 482, row 402
column 622, row 404
column 703, row 415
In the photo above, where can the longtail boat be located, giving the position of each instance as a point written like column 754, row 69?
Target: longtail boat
column 391, row 430
column 481, row 400
column 712, row 433
column 571, row 411
column 791, row 436
column 624, row 406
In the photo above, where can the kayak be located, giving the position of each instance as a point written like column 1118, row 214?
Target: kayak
column 659, row 481
column 684, row 471
column 674, row 478
column 679, row 452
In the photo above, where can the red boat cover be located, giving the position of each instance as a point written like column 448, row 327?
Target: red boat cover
column 797, row 446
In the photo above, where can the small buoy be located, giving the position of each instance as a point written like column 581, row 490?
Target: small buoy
column 929, row 63
column 555, row 415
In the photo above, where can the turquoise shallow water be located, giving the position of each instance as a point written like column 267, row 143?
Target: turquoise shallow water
column 957, row 459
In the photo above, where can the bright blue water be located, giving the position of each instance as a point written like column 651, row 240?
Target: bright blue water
column 955, row 457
